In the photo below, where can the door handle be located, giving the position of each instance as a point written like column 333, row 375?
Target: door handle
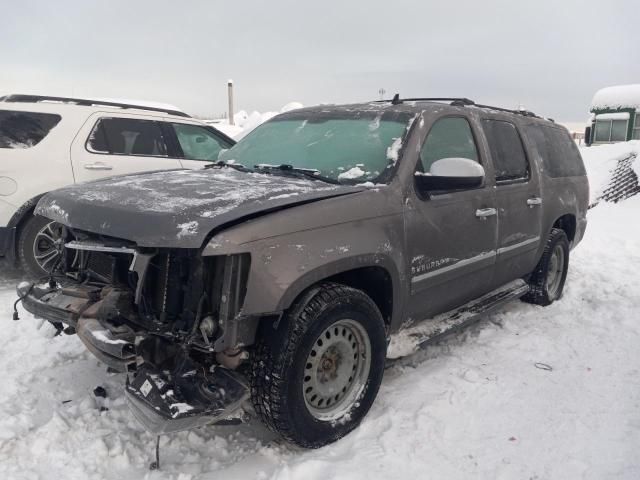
column 533, row 201
column 483, row 213
column 97, row 166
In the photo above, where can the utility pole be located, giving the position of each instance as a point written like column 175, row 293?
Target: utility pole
column 230, row 94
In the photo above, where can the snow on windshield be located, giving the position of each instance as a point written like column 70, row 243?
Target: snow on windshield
column 340, row 143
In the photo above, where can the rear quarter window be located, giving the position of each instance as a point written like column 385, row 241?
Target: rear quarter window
column 25, row 129
column 560, row 155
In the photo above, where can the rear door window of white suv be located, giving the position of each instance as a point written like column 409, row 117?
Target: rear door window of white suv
column 127, row 136
column 25, row 129
column 198, row 143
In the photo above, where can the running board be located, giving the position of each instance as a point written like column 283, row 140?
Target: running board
column 409, row 340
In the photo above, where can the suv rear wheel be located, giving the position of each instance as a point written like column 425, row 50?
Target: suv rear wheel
column 547, row 280
column 39, row 245
column 315, row 376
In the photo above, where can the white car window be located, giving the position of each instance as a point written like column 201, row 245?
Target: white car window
column 25, row 129
column 126, row 136
column 198, row 143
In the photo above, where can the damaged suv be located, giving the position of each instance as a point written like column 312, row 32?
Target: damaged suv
column 274, row 280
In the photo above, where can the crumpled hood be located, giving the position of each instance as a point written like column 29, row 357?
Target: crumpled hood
column 177, row 208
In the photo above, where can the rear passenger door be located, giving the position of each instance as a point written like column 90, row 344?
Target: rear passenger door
column 518, row 200
column 108, row 145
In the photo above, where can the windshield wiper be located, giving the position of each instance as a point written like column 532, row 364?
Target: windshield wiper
column 288, row 169
column 222, row 163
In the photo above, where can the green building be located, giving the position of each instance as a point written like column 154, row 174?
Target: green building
column 615, row 115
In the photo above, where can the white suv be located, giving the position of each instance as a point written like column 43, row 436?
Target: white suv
column 50, row 142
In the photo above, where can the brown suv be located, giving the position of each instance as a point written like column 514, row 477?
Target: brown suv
column 280, row 274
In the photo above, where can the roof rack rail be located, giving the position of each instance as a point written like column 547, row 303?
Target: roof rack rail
column 396, row 100
column 19, row 98
column 526, row 113
column 456, row 102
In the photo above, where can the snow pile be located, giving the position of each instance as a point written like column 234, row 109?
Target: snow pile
column 394, row 150
column 601, row 160
column 244, row 122
column 352, row 173
column 620, row 96
column 479, row 405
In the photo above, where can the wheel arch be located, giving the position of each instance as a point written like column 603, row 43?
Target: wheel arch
column 377, row 277
column 567, row 223
column 18, row 219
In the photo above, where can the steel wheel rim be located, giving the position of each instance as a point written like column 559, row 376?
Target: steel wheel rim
column 47, row 245
column 555, row 271
column 336, row 370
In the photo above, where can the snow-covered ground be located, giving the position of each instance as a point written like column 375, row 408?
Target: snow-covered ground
column 475, row 406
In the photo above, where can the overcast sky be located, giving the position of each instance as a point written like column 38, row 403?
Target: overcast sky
column 548, row 55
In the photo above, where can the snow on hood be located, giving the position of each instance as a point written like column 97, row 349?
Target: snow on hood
column 177, row 208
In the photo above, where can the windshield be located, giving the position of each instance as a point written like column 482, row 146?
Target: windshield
column 351, row 147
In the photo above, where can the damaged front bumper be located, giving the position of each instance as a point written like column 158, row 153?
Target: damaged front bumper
column 163, row 400
column 72, row 306
column 157, row 398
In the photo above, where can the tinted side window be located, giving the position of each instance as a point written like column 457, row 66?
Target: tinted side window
column 125, row 136
column 25, row 129
column 507, row 152
column 449, row 137
column 198, row 143
column 560, row 155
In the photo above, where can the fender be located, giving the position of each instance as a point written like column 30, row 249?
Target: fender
column 337, row 267
column 283, row 267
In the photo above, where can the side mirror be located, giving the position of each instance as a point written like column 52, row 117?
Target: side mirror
column 451, row 174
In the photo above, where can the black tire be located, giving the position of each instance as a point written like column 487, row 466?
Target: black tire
column 279, row 367
column 26, row 247
column 541, row 292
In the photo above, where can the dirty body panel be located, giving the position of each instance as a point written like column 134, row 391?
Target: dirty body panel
column 169, row 275
column 177, row 208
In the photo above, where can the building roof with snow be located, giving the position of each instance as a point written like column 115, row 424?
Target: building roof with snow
column 616, row 114
column 617, row 97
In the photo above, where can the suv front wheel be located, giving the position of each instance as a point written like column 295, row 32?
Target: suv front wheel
column 39, row 246
column 315, row 376
column 547, row 280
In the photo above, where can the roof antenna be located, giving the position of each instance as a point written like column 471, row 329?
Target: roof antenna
column 396, row 99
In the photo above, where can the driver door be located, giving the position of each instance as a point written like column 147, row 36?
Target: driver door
column 452, row 235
